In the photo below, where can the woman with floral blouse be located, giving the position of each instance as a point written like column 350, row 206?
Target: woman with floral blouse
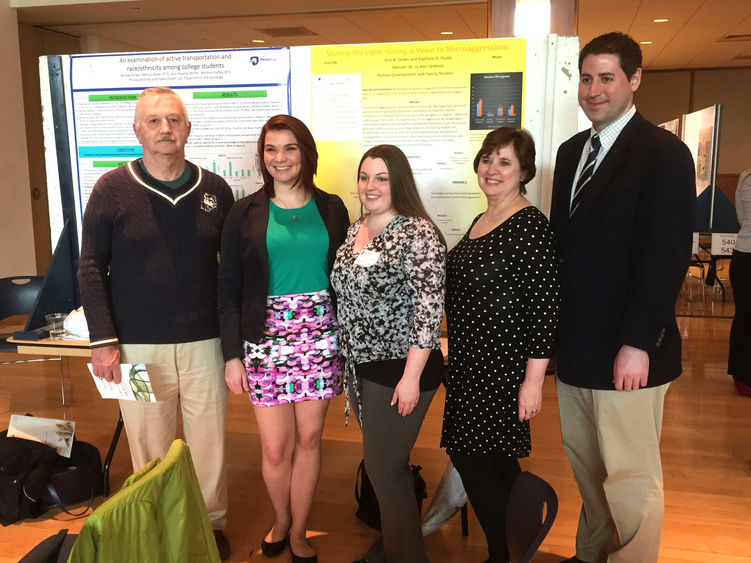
column 389, row 280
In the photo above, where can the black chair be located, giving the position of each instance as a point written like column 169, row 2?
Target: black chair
column 17, row 297
column 532, row 508
column 121, row 520
column 54, row 549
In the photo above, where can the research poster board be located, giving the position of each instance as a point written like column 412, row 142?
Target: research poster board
column 435, row 100
column 228, row 94
column 700, row 132
column 674, row 126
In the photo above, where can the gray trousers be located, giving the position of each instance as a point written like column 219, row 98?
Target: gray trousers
column 387, row 441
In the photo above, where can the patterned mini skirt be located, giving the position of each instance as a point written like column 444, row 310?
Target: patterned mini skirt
column 297, row 359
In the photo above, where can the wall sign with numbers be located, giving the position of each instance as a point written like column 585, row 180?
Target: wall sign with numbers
column 723, row 243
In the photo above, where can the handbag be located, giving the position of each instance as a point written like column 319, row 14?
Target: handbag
column 25, row 467
column 367, row 504
column 34, row 478
column 74, row 480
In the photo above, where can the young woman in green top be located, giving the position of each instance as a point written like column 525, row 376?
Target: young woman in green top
column 279, row 332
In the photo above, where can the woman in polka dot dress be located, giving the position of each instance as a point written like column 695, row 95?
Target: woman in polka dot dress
column 501, row 305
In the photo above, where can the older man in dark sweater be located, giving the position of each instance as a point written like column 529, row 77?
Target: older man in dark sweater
column 148, row 269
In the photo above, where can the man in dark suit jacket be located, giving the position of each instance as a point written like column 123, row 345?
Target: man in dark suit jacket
column 622, row 208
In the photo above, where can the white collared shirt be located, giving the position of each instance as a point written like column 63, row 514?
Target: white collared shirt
column 608, row 137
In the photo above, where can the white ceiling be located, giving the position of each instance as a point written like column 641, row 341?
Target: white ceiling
column 700, row 33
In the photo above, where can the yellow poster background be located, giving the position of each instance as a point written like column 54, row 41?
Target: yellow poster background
column 421, row 97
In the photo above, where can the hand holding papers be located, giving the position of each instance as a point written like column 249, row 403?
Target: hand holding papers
column 135, row 384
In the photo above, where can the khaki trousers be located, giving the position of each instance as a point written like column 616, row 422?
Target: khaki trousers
column 612, row 440
column 187, row 376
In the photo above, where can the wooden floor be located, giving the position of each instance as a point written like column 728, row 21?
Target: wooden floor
column 706, row 447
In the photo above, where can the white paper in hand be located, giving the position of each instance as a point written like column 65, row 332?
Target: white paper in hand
column 134, row 385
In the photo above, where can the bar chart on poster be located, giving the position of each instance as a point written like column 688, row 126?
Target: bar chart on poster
column 496, row 100
column 240, row 170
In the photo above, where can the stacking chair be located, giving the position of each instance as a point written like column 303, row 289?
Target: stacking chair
column 17, row 297
column 695, row 272
column 531, row 511
column 448, row 499
column 722, row 264
column 55, row 549
column 158, row 515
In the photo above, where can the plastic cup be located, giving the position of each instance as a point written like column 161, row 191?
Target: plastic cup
column 55, row 322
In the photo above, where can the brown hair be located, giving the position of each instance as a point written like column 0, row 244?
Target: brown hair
column 615, row 43
column 405, row 199
column 306, row 144
column 524, row 149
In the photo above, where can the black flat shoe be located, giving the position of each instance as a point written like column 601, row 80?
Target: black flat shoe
column 273, row 548
column 222, row 544
column 298, row 559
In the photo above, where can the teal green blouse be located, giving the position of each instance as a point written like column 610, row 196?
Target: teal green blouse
column 297, row 244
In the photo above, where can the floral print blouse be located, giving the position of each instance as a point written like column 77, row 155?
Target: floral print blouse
column 395, row 303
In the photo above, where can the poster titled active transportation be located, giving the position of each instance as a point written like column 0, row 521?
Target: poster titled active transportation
column 229, row 94
column 436, row 101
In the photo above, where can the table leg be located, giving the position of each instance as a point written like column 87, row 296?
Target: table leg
column 111, row 453
column 66, row 385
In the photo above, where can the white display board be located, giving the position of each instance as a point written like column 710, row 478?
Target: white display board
column 700, row 132
column 436, row 100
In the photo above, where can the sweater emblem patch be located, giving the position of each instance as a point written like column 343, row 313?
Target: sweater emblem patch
column 209, row 203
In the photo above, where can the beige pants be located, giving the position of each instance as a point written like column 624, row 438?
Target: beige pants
column 190, row 377
column 612, row 440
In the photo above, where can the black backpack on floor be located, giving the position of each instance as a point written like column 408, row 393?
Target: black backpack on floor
column 25, row 467
column 367, row 503
column 33, row 478
column 75, row 479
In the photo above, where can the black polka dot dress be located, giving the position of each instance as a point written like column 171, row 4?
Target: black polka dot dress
column 502, row 305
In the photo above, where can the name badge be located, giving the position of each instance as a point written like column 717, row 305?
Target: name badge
column 367, row 258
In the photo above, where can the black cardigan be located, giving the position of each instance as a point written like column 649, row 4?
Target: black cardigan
column 148, row 257
column 244, row 267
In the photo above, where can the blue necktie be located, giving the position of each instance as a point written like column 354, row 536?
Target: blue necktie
column 586, row 173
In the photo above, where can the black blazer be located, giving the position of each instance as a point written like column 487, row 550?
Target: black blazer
column 623, row 255
column 244, row 267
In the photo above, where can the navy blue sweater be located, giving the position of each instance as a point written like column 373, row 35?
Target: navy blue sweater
column 149, row 257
